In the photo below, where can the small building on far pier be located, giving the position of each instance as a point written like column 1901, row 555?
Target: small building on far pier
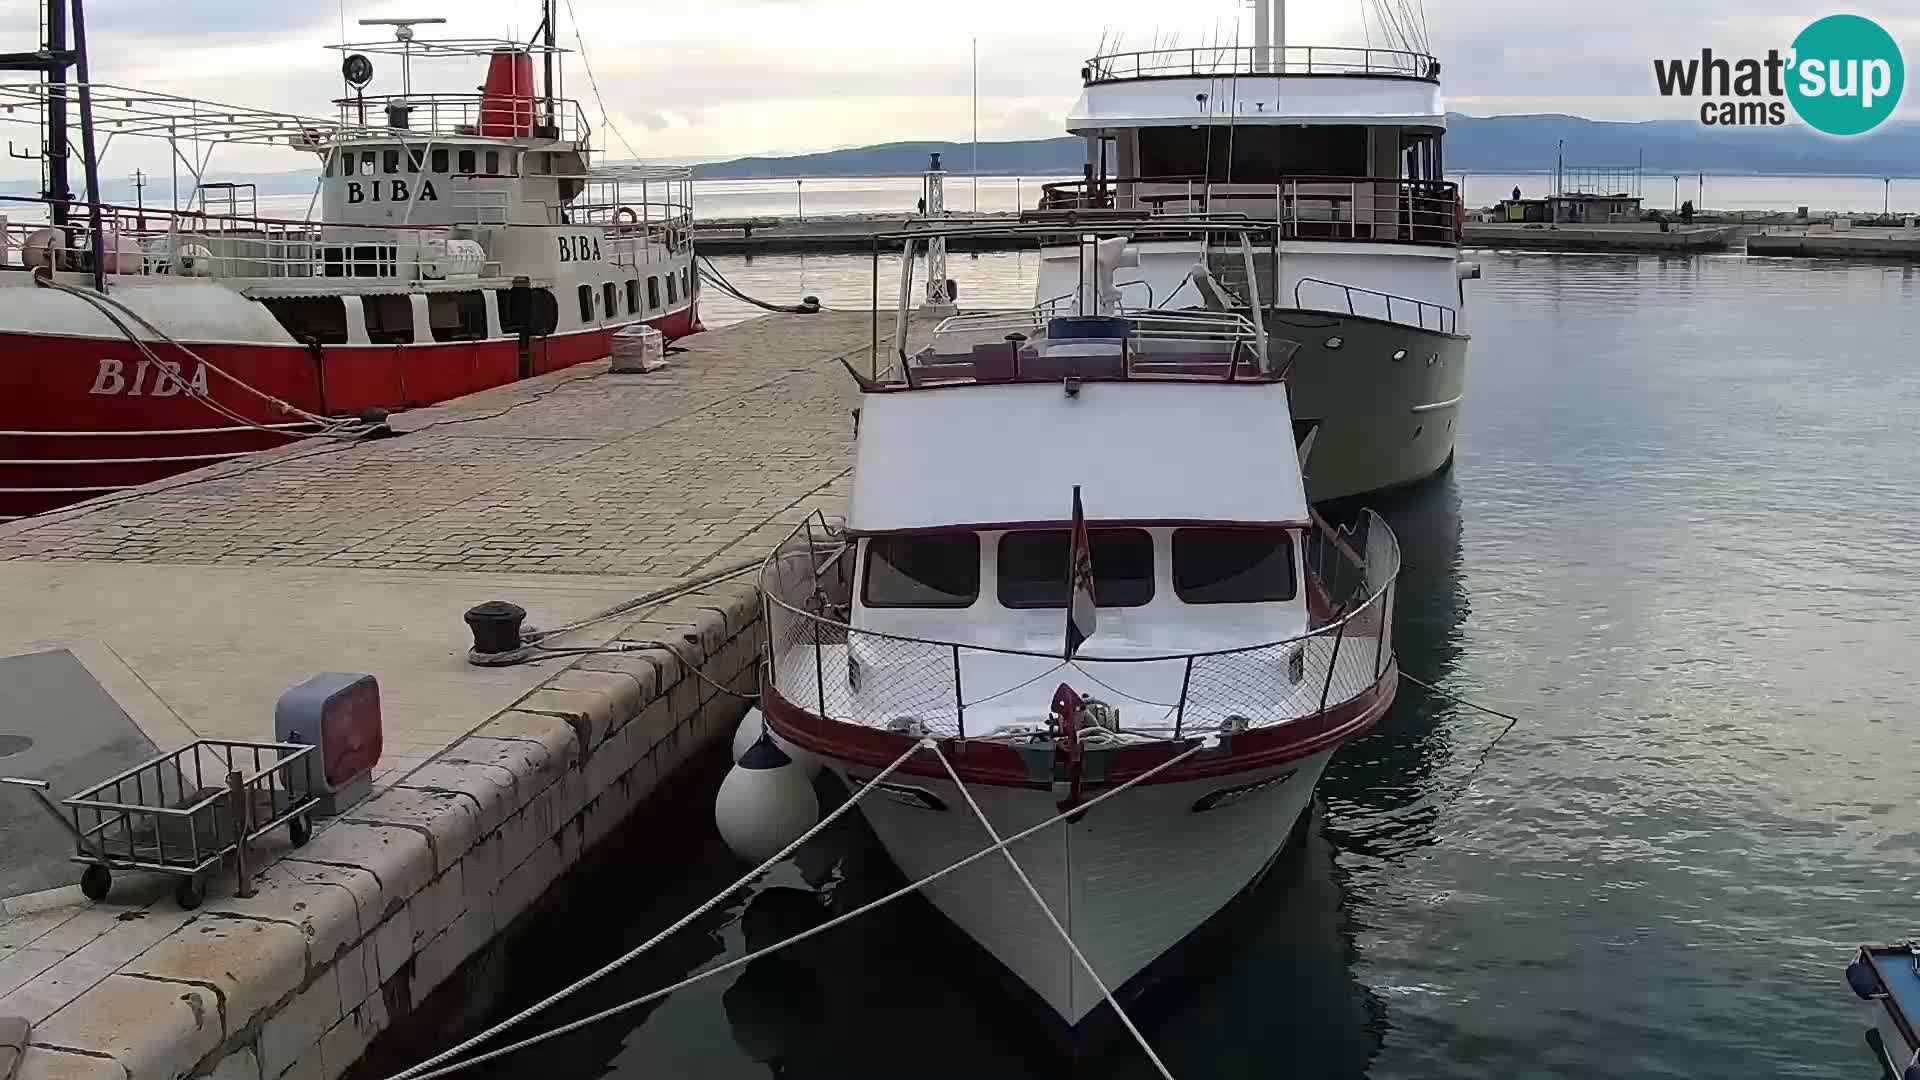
column 1571, row 208
column 1582, row 195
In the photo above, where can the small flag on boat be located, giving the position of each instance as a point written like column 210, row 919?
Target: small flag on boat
column 1081, row 610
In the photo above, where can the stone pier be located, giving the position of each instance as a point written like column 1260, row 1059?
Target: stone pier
column 193, row 603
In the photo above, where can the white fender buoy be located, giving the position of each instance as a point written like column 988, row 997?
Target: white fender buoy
column 753, row 725
column 194, row 260
column 42, row 249
column 765, row 803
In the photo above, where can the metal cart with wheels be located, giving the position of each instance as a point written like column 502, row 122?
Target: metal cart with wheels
column 183, row 813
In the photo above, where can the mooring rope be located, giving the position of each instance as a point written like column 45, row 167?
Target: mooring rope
column 636, row 951
column 419, row 1072
column 1052, row 920
column 711, row 274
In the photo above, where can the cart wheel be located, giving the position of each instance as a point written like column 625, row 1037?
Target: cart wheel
column 95, row 881
column 189, row 893
column 300, row 829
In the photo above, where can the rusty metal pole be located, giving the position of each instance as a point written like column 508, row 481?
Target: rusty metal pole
column 239, row 813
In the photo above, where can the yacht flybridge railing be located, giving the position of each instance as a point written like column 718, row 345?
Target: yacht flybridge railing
column 418, row 116
column 1249, row 60
column 823, row 665
column 1382, row 210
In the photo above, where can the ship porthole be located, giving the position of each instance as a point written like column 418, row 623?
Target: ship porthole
column 1399, row 354
column 1335, row 341
column 1418, row 429
column 1432, row 359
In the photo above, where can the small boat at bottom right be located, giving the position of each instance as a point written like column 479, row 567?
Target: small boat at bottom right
column 1080, row 600
column 1887, row 977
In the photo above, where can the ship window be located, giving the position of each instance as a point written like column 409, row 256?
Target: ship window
column 611, row 299
column 939, row 571
column 467, row 161
column 389, row 318
column 546, row 312
column 586, row 303
column 319, row 319
column 633, row 295
column 415, row 158
column 1254, row 154
column 686, row 282
column 673, row 293
column 653, row 294
column 390, row 160
column 1232, row 566
column 457, row 316
column 1033, row 568
column 439, row 161
column 493, row 163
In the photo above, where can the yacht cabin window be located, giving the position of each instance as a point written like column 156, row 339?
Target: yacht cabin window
column 1232, row 566
column 1033, row 568
column 389, row 318
column 1254, row 153
column 457, row 316
column 468, row 161
column 439, row 161
column 936, row 571
column 391, row 160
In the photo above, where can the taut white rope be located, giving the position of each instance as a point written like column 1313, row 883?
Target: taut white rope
column 1021, row 873
column 656, row 939
column 647, row 999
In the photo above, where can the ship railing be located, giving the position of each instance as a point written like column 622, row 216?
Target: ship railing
column 1375, row 209
column 464, row 116
column 187, row 243
column 837, row 672
column 1258, row 60
column 1373, row 303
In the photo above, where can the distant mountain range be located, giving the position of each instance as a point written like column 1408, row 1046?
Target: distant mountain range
column 1488, row 144
column 1475, row 144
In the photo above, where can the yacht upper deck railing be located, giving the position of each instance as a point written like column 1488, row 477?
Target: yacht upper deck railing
column 1248, row 60
column 841, row 673
column 1381, row 209
column 462, row 116
column 195, row 244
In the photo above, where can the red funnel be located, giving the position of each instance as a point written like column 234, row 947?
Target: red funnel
column 506, row 101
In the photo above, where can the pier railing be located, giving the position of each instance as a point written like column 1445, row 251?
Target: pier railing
column 1378, row 209
column 820, row 663
column 1256, row 61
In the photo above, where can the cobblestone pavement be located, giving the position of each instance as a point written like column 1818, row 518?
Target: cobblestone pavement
column 196, row 602
column 581, row 471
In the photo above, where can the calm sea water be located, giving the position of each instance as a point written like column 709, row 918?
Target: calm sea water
column 1678, row 543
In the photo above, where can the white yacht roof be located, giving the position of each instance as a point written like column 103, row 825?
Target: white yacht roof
column 1258, row 99
column 1141, row 451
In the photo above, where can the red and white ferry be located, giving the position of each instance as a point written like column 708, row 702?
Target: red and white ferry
column 461, row 241
column 1236, row 640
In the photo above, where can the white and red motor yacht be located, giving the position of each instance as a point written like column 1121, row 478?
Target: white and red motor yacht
column 1228, row 630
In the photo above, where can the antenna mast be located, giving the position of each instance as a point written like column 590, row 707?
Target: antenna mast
column 547, row 13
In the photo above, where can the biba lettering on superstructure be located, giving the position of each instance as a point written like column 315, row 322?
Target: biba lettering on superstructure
column 461, row 241
column 1079, row 593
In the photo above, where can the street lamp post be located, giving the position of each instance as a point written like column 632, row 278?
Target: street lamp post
column 799, row 200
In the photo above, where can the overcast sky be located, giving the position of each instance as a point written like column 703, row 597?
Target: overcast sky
column 701, row 79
